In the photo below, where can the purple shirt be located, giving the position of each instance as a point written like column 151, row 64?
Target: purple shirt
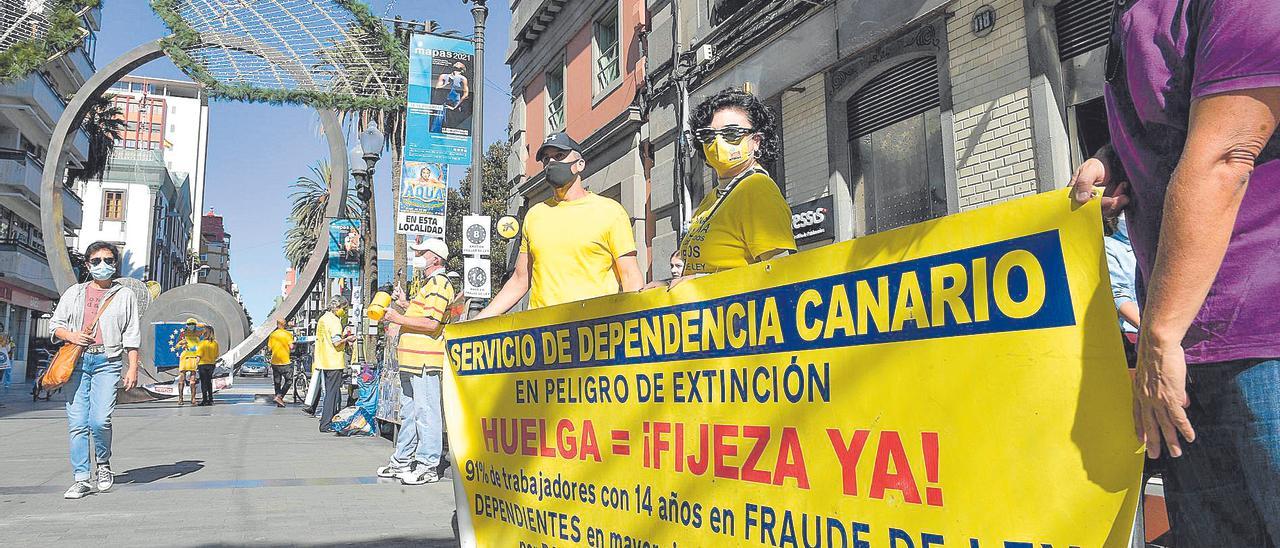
column 1175, row 51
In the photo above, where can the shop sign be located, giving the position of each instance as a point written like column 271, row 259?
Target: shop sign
column 813, row 221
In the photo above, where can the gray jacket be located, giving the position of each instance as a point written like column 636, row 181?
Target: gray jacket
column 119, row 323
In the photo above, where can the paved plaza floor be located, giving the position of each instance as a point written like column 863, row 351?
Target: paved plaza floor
column 240, row 472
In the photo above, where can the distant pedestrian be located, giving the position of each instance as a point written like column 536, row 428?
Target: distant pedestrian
column 6, row 356
column 420, row 355
column 280, row 343
column 331, row 356
column 114, row 335
column 208, row 351
column 188, row 359
column 745, row 220
column 1193, row 102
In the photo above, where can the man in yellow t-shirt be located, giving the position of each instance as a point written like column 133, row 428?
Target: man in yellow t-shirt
column 576, row 245
column 280, row 343
column 420, row 353
column 331, row 355
column 208, row 351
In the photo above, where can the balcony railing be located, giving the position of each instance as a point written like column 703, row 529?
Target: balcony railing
column 21, row 245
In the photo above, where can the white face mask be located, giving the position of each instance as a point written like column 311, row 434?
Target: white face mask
column 419, row 262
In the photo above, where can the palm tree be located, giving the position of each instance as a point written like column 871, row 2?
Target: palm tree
column 307, row 218
column 104, row 124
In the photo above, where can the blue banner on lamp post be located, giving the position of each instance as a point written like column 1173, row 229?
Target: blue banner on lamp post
column 346, row 252
column 439, row 117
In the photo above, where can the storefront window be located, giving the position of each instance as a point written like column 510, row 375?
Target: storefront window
column 895, row 132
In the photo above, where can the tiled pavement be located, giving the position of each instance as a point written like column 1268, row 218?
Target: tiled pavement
column 237, row 473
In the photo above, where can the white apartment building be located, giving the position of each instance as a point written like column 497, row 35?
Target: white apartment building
column 145, row 208
column 171, row 116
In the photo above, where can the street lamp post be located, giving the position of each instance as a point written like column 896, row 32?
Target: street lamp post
column 480, row 12
column 366, row 153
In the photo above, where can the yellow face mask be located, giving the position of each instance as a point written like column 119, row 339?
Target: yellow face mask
column 341, row 313
column 724, row 156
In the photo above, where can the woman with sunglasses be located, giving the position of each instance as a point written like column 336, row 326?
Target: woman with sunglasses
column 745, row 220
column 93, row 383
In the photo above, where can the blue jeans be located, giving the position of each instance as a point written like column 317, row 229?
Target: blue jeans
column 93, row 398
column 1225, row 489
column 421, row 425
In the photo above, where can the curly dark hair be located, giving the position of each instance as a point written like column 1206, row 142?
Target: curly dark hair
column 762, row 119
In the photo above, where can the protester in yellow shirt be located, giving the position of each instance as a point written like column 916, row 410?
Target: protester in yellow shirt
column 331, row 355
column 420, row 353
column 207, row 350
column 188, row 359
column 280, row 343
column 576, row 245
column 745, row 220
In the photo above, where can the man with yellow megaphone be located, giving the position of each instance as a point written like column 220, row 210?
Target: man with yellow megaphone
column 421, row 356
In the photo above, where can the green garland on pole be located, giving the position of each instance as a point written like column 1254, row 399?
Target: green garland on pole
column 65, row 33
column 185, row 37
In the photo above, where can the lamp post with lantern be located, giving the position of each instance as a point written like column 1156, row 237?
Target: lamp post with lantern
column 362, row 158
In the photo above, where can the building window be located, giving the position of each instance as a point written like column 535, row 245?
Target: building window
column 605, row 45
column 113, row 205
column 555, row 99
column 722, row 10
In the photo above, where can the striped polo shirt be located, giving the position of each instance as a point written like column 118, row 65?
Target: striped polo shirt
column 421, row 350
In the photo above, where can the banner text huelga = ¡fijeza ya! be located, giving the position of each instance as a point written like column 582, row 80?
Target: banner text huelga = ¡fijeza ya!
column 1012, row 285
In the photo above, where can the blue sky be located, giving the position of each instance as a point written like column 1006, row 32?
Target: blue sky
column 256, row 151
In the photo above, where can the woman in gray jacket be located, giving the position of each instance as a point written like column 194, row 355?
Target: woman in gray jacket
column 93, row 383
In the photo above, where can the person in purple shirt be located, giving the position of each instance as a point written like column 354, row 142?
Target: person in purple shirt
column 1193, row 97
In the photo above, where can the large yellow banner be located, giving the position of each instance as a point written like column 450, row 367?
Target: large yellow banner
column 956, row 383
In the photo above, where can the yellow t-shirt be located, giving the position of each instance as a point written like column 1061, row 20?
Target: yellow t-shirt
column 419, row 350
column 208, row 351
column 278, row 343
column 753, row 219
column 327, row 356
column 572, row 247
column 190, row 357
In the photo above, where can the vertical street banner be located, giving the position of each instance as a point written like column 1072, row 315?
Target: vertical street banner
column 958, row 382
column 345, row 250
column 424, row 196
column 438, row 119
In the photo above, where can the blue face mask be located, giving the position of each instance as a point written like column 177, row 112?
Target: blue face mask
column 102, row 271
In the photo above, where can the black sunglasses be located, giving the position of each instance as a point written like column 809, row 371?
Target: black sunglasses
column 99, row 260
column 732, row 134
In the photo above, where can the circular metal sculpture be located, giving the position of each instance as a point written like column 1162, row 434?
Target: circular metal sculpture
column 208, row 304
column 55, row 167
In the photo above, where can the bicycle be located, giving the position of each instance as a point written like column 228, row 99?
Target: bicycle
column 42, row 364
column 300, row 373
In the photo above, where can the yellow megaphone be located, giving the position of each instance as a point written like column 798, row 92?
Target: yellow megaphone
column 378, row 308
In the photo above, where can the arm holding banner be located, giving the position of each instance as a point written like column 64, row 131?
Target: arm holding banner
column 1227, row 133
column 512, row 291
column 628, row 269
